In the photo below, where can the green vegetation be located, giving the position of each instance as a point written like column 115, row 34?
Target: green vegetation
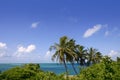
column 98, row 67
column 68, row 51
column 106, row 70
column 29, row 72
column 64, row 51
column 101, row 67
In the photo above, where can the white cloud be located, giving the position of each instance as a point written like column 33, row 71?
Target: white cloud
column 113, row 54
column 3, row 45
column 91, row 31
column 29, row 49
column 35, row 24
column 48, row 54
column 3, row 48
column 23, row 50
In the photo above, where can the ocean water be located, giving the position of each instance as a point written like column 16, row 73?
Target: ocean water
column 53, row 67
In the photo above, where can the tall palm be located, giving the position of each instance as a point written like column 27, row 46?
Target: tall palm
column 93, row 56
column 118, row 59
column 61, row 51
column 81, row 55
column 98, row 57
column 71, row 45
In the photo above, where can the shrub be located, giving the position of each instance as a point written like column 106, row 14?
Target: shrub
column 29, row 72
column 106, row 70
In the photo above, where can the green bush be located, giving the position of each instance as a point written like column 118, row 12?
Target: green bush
column 29, row 72
column 106, row 70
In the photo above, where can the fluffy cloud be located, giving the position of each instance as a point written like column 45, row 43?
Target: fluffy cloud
column 48, row 54
column 91, row 31
column 23, row 50
column 47, row 57
column 113, row 54
column 28, row 49
column 3, row 47
column 35, row 24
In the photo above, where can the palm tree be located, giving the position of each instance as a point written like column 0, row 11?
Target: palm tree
column 118, row 59
column 98, row 57
column 81, row 55
column 71, row 46
column 93, row 56
column 62, row 51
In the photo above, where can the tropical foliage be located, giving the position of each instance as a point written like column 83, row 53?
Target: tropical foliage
column 29, row 72
column 68, row 51
column 64, row 51
column 93, row 56
column 81, row 55
column 106, row 70
column 97, row 66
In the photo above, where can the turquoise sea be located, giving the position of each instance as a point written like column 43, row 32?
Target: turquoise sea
column 53, row 67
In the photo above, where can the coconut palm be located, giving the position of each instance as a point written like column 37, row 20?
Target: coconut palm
column 118, row 59
column 98, row 57
column 81, row 55
column 93, row 56
column 71, row 45
column 62, row 51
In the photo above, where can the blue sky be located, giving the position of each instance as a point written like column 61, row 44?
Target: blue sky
column 29, row 27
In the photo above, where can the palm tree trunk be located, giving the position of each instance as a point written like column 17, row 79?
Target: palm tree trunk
column 65, row 68
column 74, row 67
column 88, row 63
